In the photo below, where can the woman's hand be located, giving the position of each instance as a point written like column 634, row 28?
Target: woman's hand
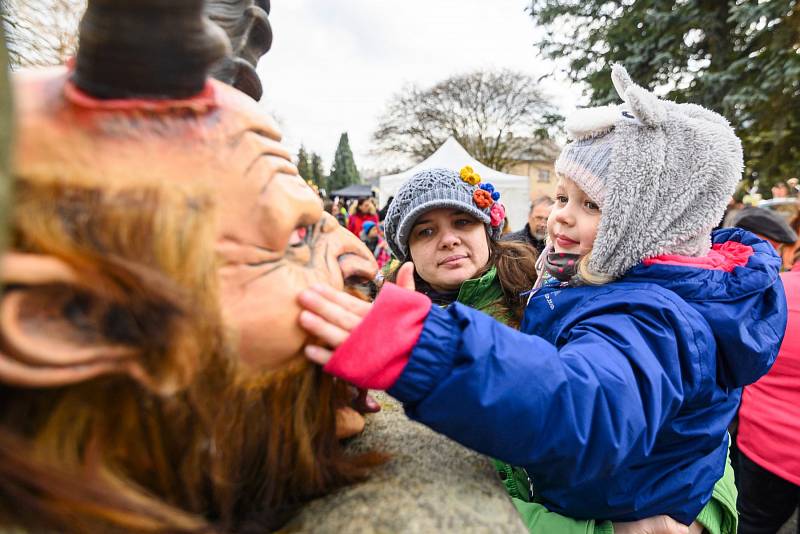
column 660, row 524
column 331, row 315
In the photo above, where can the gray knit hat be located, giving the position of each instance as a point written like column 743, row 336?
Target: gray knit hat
column 662, row 174
column 437, row 188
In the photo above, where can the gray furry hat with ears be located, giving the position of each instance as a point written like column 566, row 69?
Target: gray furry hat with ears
column 661, row 172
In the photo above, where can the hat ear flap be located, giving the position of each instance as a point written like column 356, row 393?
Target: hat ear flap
column 621, row 79
column 645, row 106
column 590, row 122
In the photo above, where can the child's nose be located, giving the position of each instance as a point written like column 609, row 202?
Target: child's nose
column 565, row 216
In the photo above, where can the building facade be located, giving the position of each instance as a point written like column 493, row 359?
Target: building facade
column 538, row 163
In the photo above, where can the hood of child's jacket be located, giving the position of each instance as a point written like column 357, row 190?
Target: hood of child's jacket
column 741, row 298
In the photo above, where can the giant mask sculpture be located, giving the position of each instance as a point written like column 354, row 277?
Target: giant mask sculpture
column 150, row 354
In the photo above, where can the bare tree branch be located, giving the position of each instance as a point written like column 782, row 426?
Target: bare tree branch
column 41, row 32
column 496, row 116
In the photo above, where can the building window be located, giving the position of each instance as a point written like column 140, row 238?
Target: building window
column 544, row 176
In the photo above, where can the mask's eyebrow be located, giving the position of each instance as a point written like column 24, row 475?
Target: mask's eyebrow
column 236, row 138
column 236, row 252
column 270, row 147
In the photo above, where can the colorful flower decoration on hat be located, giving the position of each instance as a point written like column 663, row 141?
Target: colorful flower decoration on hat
column 490, row 188
column 497, row 214
column 482, row 198
column 470, row 176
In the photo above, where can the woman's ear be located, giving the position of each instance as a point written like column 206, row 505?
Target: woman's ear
column 52, row 326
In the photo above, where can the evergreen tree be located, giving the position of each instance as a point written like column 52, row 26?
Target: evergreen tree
column 317, row 173
column 343, row 170
column 737, row 58
column 304, row 165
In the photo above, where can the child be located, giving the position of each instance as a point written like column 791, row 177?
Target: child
column 372, row 236
column 616, row 395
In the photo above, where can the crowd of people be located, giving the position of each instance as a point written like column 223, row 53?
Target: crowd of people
column 184, row 347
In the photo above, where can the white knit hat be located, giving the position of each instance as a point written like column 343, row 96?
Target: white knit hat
column 662, row 174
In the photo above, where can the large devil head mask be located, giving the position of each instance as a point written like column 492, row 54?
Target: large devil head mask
column 149, row 321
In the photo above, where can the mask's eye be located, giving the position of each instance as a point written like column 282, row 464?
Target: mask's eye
column 301, row 236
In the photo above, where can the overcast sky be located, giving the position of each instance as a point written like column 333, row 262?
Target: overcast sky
column 335, row 63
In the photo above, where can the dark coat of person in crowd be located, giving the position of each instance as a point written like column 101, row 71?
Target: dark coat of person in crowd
column 534, row 233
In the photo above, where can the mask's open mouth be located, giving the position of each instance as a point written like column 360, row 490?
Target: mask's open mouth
column 361, row 287
column 358, row 274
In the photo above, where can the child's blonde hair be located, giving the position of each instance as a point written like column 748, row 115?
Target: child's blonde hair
column 589, row 276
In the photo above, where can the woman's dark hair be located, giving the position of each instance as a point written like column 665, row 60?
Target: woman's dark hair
column 516, row 270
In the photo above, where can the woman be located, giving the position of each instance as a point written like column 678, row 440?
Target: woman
column 449, row 230
column 365, row 211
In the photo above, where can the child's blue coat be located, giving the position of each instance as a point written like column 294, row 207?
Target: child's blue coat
column 618, row 404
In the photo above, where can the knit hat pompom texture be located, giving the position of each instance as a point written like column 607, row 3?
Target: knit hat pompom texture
column 425, row 191
column 662, row 174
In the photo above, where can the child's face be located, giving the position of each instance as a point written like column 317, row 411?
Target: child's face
column 572, row 225
column 448, row 247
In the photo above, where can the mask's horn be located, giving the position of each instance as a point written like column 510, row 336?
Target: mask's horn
column 160, row 49
column 247, row 24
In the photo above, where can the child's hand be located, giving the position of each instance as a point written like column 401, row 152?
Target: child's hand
column 331, row 315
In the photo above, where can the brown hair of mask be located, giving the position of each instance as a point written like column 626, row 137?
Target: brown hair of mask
column 166, row 433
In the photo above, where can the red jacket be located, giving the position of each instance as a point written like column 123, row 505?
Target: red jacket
column 357, row 220
column 769, row 418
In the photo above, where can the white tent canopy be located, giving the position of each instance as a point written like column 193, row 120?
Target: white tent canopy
column 514, row 189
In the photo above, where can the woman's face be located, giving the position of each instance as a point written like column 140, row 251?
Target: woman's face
column 366, row 206
column 572, row 225
column 448, row 247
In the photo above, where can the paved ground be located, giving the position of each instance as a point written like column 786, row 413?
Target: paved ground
column 790, row 527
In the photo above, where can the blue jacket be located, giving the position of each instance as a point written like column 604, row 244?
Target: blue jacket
column 615, row 398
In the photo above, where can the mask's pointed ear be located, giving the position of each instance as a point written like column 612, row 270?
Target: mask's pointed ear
column 52, row 327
